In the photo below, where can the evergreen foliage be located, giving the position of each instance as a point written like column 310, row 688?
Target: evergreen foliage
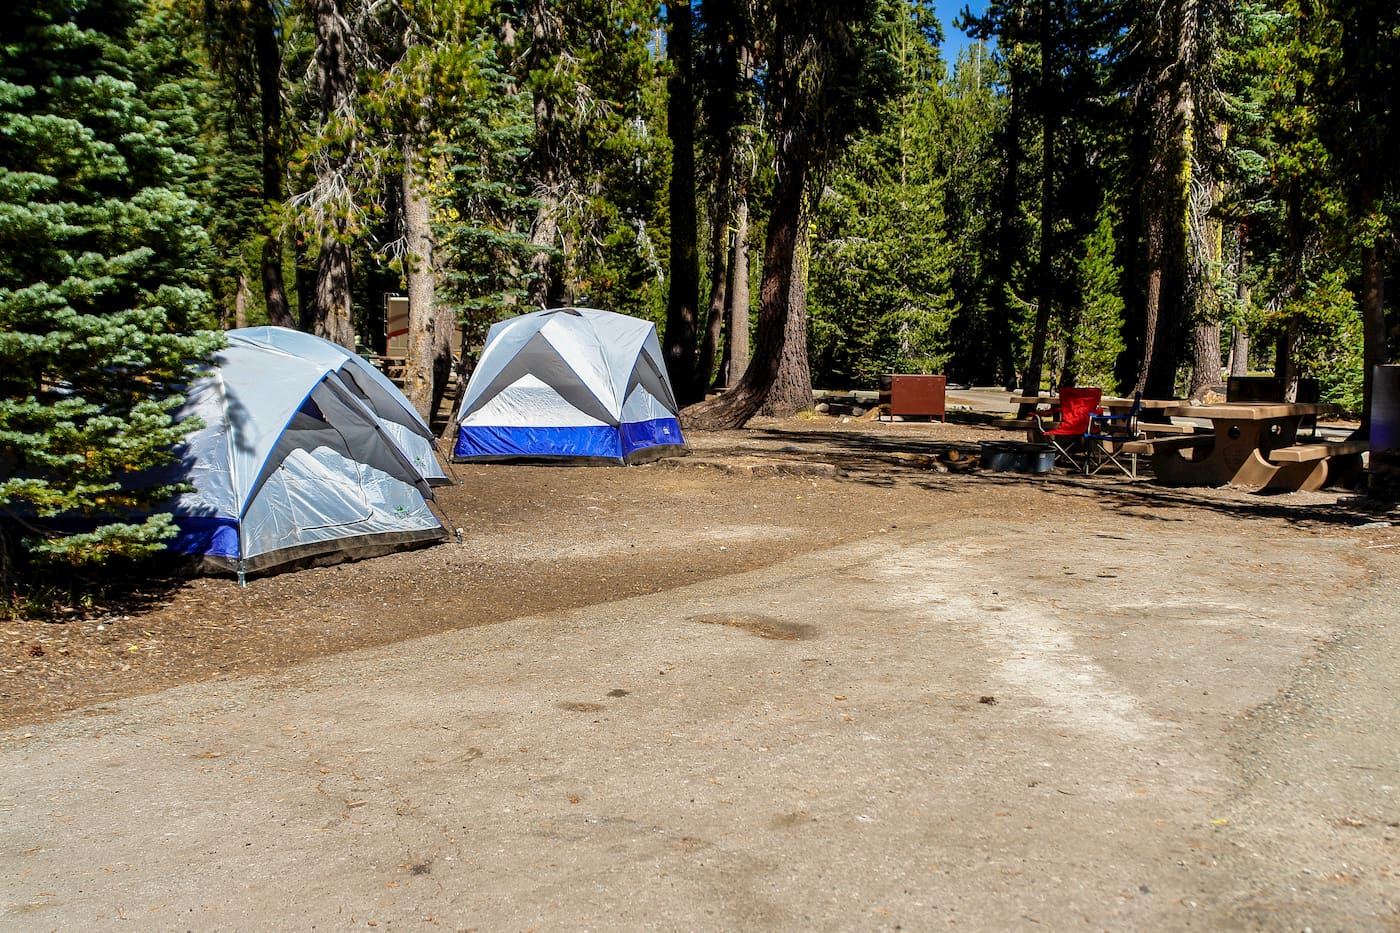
column 880, row 292
column 101, row 276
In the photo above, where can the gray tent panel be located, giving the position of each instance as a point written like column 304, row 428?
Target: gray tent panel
column 539, row 358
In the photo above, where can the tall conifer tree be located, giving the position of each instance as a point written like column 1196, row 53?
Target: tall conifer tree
column 99, row 276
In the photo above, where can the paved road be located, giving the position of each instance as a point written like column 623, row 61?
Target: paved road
column 1008, row 727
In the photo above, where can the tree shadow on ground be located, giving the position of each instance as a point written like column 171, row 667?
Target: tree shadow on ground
column 954, row 466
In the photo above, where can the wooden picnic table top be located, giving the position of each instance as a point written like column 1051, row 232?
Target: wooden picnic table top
column 1253, row 411
column 1147, row 404
column 1108, row 401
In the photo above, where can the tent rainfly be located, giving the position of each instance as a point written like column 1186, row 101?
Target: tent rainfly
column 395, row 413
column 295, row 462
column 569, row 383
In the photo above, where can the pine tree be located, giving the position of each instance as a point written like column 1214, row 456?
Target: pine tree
column 1097, row 337
column 596, row 161
column 880, row 294
column 100, row 272
column 829, row 69
column 980, row 344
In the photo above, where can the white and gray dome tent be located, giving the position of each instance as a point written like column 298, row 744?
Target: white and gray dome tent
column 569, row 383
column 292, row 463
column 395, row 413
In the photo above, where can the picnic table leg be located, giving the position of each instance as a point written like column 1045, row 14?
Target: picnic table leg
column 1171, row 468
column 1299, row 477
column 1255, row 472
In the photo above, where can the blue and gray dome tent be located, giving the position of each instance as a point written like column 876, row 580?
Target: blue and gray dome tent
column 295, row 461
column 569, row 383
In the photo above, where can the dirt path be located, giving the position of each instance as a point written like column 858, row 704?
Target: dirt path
column 848, row 692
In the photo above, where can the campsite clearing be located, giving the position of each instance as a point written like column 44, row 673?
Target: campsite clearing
column 822, row 674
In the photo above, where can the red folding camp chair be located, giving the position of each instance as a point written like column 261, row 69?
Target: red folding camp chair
column 1067, row 436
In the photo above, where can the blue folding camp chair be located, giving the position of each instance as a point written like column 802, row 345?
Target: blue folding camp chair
column 1105, row 437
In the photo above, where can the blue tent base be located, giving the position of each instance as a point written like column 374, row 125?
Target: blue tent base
column 629, row 443
column 317, row 554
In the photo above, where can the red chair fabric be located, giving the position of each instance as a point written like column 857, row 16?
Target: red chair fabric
column 1075, row 408
column 1076, row 405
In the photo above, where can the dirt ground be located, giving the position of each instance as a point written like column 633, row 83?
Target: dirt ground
column 822, row 674
column 538, row 538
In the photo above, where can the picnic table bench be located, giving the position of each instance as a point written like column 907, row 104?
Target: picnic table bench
column 1322, row 462
column 1152, row 446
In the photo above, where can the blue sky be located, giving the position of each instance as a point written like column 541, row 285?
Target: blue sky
column 954, row 40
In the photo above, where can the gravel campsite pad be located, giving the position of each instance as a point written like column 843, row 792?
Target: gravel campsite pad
column 823, row 673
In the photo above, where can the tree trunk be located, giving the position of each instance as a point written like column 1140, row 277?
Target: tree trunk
column 1207, row 238
column 1035, row 364
column 1239, row 336
column 1007, row 254
column 279, row 309
column 683, row 298
column 1205, row 359
column 429, row 354
column 1166, row 197
column 1239, row 351
column 545, row 280
column 333, row 317
column 1373, row 328
column 544, row 283
column 1285, row 359
column 791, row 388
column 719, row 273
column 269, row 61
column 333, row 310
column 240, row 301
column 777, row 380
column 736, row 308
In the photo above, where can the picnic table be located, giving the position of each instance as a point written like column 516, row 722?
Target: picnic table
column 1154, row 418
column 1251, row 444
column 1113, row 403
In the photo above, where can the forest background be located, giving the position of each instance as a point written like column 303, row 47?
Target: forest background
column 1140, row 196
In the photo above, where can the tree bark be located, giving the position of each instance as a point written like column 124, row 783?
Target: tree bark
column 333, row 318
column 1239, row 336
column 1239, row 351
column 279, row 308
column 333, row 310
column 1035, row 364
column 543, row 290
column 1167, row 199
column 1008, row 241
column 1205, row 359
column 429, row 354
column 719, row 273
column 268, row 52
column 240, row 301
column 1286, row 359
column 777, row 380
column 1373, row 329
column 736, row 306
column 683, row 297
column 1207, row 247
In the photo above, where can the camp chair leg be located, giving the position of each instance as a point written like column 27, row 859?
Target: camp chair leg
column 1103, row 455
column 1065, row 451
